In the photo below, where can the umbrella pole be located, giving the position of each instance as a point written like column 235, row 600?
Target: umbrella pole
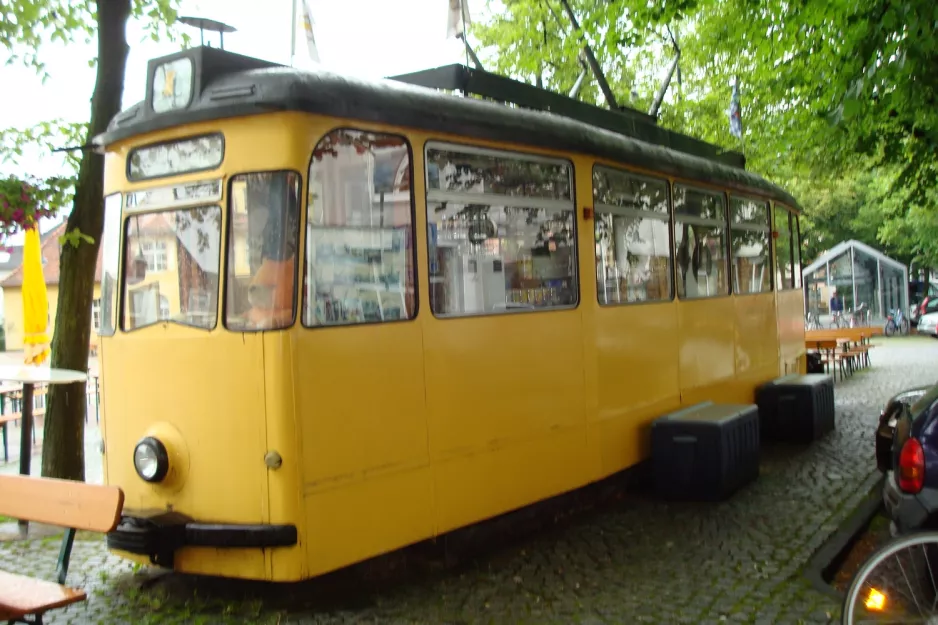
column 26, row 450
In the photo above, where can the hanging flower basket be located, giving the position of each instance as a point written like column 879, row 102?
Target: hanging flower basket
column 21, row 205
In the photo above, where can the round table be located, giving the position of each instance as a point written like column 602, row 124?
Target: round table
column 29, row 376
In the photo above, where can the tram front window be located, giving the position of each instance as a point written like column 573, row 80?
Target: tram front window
column 263, row 216
column 171, row 268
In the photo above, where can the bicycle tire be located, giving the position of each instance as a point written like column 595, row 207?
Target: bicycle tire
column 878, row 557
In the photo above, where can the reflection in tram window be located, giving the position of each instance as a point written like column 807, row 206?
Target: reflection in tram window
column 502, row 233
column 633, row 242
column 168, row 292
column 110, row 261
column 263, row 236
column 359, row 240
column 749, row 233
column 783, row 272
column 700, row 242
column 796, row 250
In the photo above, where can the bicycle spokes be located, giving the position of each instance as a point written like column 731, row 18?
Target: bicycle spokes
column 897, row 585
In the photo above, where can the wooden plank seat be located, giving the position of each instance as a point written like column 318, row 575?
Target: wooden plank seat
column 64, row 503
column 706, row 451
column 797, row 408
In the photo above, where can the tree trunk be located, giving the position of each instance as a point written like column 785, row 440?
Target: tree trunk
column 64, row 432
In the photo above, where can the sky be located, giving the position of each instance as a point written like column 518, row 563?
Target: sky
column 367, row 38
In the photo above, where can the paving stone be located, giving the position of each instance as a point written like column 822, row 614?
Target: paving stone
column 638, row 561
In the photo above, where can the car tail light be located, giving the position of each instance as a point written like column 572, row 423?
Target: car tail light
column 911, row 467
column 924, row 304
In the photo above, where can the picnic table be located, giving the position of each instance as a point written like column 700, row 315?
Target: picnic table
column 845, row 348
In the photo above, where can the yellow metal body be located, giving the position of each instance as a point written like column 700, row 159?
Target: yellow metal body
column 397, row 432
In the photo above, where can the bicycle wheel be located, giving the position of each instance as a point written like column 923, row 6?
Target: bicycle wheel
column 898, row 584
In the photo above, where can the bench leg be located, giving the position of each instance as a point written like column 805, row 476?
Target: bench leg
column 65, row 553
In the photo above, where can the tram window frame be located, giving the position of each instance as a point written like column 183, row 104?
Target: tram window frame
column 181, row 172
column 438, row 196
column 125, row 239
column 704, row 222
column 614, row 210
column 785, row 283
column 307, row 224
column 770, row 260
column 229, row 212
column 111, row 306
column 796, row 269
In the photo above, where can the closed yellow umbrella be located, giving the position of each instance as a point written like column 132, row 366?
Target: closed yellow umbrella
column 35, row 301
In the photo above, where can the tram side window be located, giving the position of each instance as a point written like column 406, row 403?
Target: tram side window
column 501, row 228
column 263, row 233
column 110, row 261
column 783, row 269
column 700, row 242
column 749, row 234
column 181, row 286
column 633, row 237
column 360, row 231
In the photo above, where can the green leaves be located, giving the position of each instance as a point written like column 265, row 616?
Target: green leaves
column 75, row 237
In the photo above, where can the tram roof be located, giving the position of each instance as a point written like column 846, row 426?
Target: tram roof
column 227, row 85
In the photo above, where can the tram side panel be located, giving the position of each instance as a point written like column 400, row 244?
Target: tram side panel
column 502, row 330
column 359, row 352
column 629, row 299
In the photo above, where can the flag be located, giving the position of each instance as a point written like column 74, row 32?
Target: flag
column 736, row 118
column 458, row 19
column 308, row 29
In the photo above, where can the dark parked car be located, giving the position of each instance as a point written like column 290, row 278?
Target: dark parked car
column 887, row 423
column 910, row 492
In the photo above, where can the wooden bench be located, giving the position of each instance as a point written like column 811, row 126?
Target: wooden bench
column 68, row 504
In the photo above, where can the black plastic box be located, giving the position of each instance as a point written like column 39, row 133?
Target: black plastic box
column 705, row 452
column 797, row 408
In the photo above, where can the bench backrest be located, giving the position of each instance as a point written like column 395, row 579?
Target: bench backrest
column 61, row 502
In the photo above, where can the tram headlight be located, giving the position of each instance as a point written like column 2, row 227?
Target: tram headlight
column 151, row 460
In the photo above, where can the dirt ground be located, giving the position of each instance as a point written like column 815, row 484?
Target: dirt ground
column 875, row 536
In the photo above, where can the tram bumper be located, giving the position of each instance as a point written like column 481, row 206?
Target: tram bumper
column 159, row 534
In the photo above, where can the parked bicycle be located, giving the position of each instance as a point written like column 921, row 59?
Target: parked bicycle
column 897, row 584
column 812, row 321
column 860, row 317
column 896, row 320
column 837, row 320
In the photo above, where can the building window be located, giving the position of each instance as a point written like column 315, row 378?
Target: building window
column 155, row 254
column 502, row 231
column 750, row 229
column 96, row 315
column 783, row 272
column 360, row 231
column 633, row 237
column 700, row 242
column 263, row 236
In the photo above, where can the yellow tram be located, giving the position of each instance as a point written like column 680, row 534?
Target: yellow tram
column 340, row 316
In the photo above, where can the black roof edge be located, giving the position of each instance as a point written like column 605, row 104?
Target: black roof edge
column 624, row 120
column 228, row 91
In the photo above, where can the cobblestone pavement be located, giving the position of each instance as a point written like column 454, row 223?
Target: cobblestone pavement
column 636, row 560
